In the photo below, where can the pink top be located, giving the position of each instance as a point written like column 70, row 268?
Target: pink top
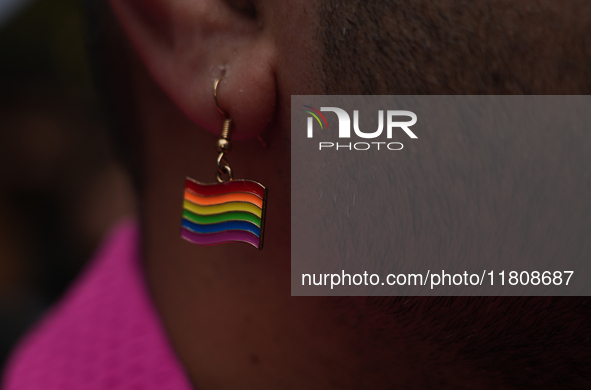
column 104, row 334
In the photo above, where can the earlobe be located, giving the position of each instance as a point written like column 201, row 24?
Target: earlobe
column 247, row 92
column 187, row 45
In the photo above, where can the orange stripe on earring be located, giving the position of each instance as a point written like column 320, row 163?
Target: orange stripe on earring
column 218, row 199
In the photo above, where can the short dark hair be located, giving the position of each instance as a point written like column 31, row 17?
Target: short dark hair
column 469, row 47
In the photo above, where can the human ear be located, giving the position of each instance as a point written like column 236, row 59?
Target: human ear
column 186, row 45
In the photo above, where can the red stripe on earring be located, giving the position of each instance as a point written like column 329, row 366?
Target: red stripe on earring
column 224, row 188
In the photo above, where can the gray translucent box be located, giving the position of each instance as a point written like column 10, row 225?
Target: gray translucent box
column 456, row 195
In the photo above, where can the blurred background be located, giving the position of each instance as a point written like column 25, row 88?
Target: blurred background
column 61, row 187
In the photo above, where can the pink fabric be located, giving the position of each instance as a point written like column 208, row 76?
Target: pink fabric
column 104, row 334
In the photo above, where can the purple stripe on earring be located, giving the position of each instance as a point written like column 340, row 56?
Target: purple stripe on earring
column 220, row 237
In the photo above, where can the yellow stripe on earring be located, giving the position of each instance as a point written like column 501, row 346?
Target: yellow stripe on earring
column 222, row 208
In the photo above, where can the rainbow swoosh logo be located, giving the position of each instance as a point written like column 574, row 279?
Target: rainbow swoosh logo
column 316, row 116
column 224, row 212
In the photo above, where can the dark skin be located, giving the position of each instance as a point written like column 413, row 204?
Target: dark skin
column 227, row 309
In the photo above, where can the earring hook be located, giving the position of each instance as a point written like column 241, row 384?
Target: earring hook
column 225, row 131
column 215, row 95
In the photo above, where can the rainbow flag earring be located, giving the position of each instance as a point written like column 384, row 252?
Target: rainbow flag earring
column 231, row 210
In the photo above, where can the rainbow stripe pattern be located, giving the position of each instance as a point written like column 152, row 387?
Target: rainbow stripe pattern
column 220, row 213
